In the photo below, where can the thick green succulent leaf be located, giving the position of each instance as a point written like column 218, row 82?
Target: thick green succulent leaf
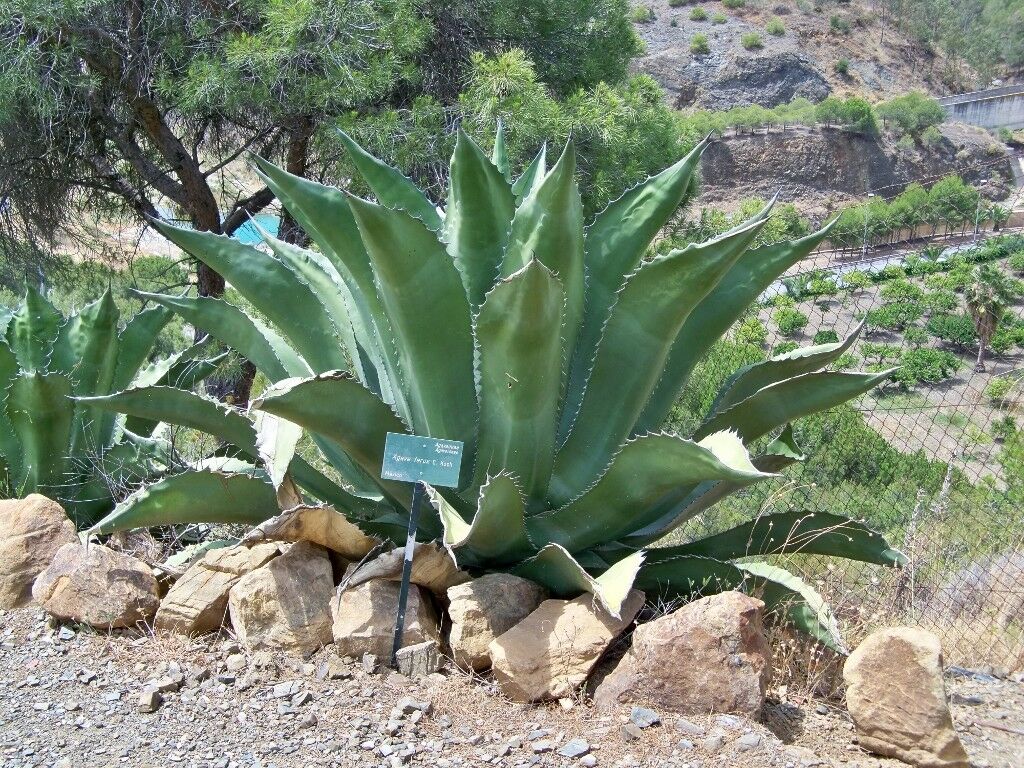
column 749, row 277
column 272, row 288
column 479, row 214
column 800, row 603
column 41, row 411
column 532, row 176
column 548, row 227
column 499, row 157
column 357, row 420
column 422, row 292
column 629, row 495
column 497, row 534
column 782, row 452
column 276, row 441
column 205, row 496
column 653, row 304
column 136, row 343
column 268, row 351
column 749, row 379
column 794, row 532
column 32, row 330
column 615, row 243
column 10, row 446
column 519, row 333
column 86, row 351
column 685, row 577
column 788, row 400
column 556, row 569
column 390, row 186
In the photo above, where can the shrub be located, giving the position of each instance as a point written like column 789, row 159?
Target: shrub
column 925, row 365
column 845, row 361
column 912, row 113
column 789, row 320
column 699, row 44
column 1016, row 262
column 901, row 290
column 827, row 336
column 880, row 353
column 955, row 329
column 783, row 347
column 941, row 300
column 642, row 14
column 856, row 280
column 734, row 4
column 842, row 67
column 718, row 18
column 697, row 13
column 674, row 22
column 751, row 331
column 1004, row 428
column 676, row 3
column 751, row 41
column 916, row 336
column 930, row 136
column 998, row 389
column 775, row 27
column 838, row 24
column 1009, row 334
column 894, row 317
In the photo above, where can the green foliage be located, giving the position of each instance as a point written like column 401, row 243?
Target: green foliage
column 925, row 365
column 532, row 359
column 912, row 113
column 1008, row 335
column 842, row 67
column 856, row 280
column 1004, row 428
column 784, row 347
column 775, row 27
column 894, row 317
column 751, row 41
column 854, row 114
column 718, row 18
column 901, row 290
column 790, row 321
column 941, row 300
column 734, row 4
column 697, row 13
column 952, row 328
column 676, row 3
column 753, row 332
column 881, row 353
column 916, row 336
column 699, row 44
column 642, row 14
column 998, row 388
column 838, row 24
column 827, row 336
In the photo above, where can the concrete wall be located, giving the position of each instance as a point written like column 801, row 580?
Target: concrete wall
column 994, row 108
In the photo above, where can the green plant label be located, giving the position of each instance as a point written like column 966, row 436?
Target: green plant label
column 411, row 458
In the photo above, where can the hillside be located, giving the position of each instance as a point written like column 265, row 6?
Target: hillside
column 800, row 62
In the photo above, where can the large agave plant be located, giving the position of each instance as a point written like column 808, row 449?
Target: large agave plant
column 71, row 450
column 553, row 350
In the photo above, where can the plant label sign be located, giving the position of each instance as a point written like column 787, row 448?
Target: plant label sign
column 413, row 459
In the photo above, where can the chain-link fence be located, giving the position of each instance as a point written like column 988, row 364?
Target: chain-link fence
column 933, row 459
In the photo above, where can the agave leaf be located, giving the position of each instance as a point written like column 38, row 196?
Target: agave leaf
column 358, row 421
column 548, row 226
column 497, row 534
column 422, row 292
column 204, row 496
column 32, row 330
column 614, row 244
column 325, row 214
column 136, row 342
column 266, row 282
column 794, row 532
column 787, row 400
column 532, row 176
column 86, row 351
column 802, row 605
column 41, row 412
column 652, row 305
column 276, row 440
column 390, row 186
column 500, row 155
column 480, row 210
column 556, row 569
column 647, row 470
column 518, row 331
column 267, row 350
column 10, row 446
column 685, row 576
column 320, row 525
column 749, row 379
column 752, row 273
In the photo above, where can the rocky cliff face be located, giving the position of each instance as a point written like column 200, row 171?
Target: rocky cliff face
column 820, row 168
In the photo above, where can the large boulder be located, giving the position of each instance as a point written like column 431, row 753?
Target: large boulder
column 198, row 601
column 364, row 618
column 709, row 656
column 98, row 586
column 897, row 700
column 286, row 604
column 484, row 608
column 31, row 531
column 549, row 654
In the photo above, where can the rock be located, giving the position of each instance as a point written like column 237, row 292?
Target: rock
column 748, row 741
column 708, row 656
column 896, row 697
column 364, row 619
column 286, row 604
column 714, row 742
column 323, row 526
column 149, row 700
column 484, row 608
column 369, row 663
column 432, row 568
column 31, row 531
column 550, row 653
column 642, row 717
column 574, row 748
column 691, row 729
column 631, row 732
column 198, row 601
column 420, row 660
column 97, row 586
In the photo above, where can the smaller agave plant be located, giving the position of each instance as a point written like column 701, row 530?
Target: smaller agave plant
column 553, row 350
column 68, row 449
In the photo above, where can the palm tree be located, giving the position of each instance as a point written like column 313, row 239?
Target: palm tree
column 987, row 297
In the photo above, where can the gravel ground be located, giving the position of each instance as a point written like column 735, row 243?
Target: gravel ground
column 72, row 697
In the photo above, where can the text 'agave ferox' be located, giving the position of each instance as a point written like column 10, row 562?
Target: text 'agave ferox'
column 553, row 350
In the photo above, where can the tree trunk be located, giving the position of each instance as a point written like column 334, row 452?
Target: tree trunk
column 297, row 163
column 979, row 365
